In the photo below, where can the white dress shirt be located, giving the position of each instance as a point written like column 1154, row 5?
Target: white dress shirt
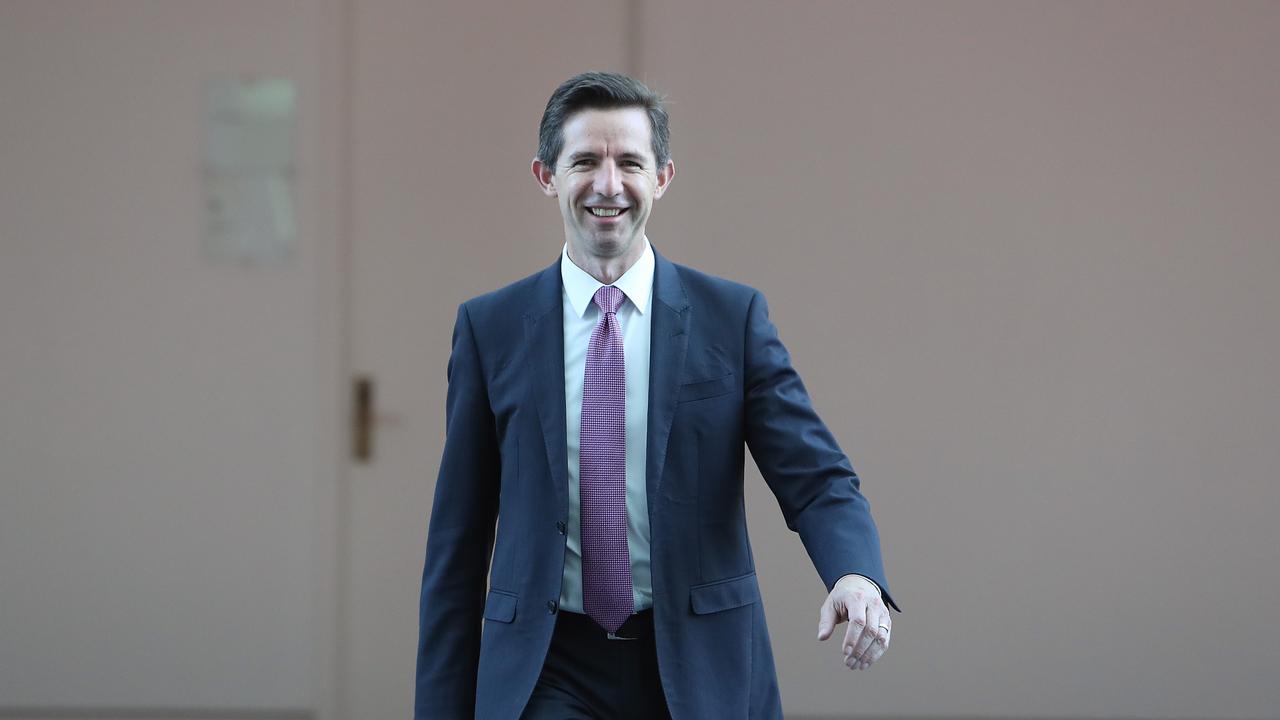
column 634, row 319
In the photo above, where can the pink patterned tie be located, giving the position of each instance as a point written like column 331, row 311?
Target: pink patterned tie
column 602, row 472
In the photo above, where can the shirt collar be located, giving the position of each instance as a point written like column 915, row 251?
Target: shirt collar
column 636, row 283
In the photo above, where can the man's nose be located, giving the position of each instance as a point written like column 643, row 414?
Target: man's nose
column 608, row 182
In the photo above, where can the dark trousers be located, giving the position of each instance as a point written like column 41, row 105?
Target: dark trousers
column 587, row 676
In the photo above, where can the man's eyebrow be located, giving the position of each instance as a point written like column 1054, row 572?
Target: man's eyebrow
column 592, row 155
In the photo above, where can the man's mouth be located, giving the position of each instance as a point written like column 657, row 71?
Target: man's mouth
column 602, row 212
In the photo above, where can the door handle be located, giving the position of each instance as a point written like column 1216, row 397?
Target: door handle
column 362, row 419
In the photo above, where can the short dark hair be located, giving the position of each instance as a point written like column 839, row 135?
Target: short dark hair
column 601, row 91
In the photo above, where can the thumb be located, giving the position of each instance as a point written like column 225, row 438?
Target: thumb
column 826, row 620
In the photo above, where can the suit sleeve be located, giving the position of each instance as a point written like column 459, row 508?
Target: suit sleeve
column 810, row 476
column 459, row 540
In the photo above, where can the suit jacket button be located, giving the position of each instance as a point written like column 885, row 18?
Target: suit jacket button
column 551, row 607
column 560, row 526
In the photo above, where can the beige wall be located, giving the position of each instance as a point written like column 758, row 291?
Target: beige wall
column 167, row 467
column 1021, row 253
column 1024, row 255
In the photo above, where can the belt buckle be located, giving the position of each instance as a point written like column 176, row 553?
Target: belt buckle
column 611, row 636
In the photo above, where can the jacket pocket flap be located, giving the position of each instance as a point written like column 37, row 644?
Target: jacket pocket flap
column 500, row 606
column 724, row 594
column 700, row 389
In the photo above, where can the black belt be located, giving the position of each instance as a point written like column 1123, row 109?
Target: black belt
column 637, row 627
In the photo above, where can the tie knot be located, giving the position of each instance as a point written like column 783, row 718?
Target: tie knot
column 609, row 298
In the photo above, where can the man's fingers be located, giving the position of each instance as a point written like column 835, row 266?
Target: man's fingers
column 826, row 619
column 882, row 628
column 866, row 640
column 856, row 640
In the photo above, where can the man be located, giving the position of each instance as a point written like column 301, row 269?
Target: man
column 598, row 412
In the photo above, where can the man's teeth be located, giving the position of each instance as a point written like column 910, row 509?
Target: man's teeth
column 605, row 212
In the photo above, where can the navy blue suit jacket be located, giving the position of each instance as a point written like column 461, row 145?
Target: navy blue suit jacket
column 719, row 380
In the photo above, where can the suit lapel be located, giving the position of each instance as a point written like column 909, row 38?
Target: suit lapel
column 544, row 336
column 668, row 342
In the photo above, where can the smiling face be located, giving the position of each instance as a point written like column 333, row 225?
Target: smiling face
column 605, row 181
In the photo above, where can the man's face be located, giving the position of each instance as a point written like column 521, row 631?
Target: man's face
column 605, row 181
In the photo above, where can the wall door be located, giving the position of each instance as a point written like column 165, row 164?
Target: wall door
column 445, row 104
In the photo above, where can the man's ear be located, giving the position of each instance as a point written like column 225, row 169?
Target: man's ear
column 664, row 178
column 545, row 176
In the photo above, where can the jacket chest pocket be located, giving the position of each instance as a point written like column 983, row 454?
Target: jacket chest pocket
column 707, row 388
